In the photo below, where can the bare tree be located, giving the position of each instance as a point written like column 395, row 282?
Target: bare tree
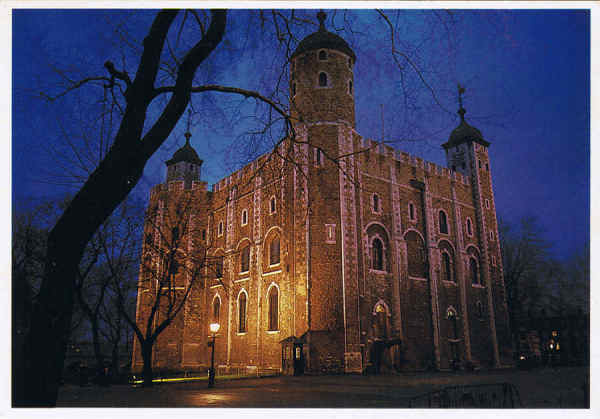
column 147, row 107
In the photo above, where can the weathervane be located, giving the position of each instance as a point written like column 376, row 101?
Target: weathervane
column 321, row 16
column 461, row 110
column 187, row 132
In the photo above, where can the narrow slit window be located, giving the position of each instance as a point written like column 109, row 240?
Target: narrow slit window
column 322, row 80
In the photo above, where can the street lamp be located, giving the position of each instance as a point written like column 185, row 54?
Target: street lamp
column 214, row 328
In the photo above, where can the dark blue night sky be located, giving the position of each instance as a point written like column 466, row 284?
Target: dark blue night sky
column 527, row 74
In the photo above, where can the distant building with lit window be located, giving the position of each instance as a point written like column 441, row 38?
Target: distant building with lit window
column 349, row 256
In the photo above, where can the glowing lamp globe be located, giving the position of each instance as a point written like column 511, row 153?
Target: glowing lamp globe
column 214, row 327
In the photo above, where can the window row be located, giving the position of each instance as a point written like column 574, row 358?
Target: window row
column 323, row 81
column 274, row 257
column 242, row 310
column 244, row 218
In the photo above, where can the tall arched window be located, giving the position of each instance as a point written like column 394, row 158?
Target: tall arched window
column 322, row 79
column 242, row 312
column 245, row 259
column 274, row 251
column 322, row 55
column 377, row 254
column 443, row 223
column 273, row 309
column 469, row 228
column 446, row 267
column 417, row 258
column 216, row 309
column 473, row 269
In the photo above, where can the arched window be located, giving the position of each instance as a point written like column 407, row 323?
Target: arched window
column 219, row 267
column 245, row 259
column 242, row 313
column 375, row 203
column 411, row 211
column 274, row 251
column 216, row 309
column 272, row 205
column 443, row 223
column 322, row 80
column 244, row 217
column 417, row 258
column 322, row 55
column 473, row 269
column 446, row 267
column 469, row 227
column 377, row 254
column 479, row 307
column 273, row 309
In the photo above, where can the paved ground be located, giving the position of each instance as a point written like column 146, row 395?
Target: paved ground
column 542, row 388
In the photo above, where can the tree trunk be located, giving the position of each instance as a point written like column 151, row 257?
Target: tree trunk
column 97, row 350
column 147, row 356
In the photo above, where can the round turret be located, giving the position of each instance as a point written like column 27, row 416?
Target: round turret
column 321, row 78
column 184, row 165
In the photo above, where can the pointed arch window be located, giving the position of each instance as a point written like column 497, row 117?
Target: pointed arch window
column 469, row 227
column 443, row 222
column 474, row 271
column 273, row 309
column 377, row 254
column 274, row 252
column 245, row 259
column 447, row 267
column 242, row 313
column 322, row 79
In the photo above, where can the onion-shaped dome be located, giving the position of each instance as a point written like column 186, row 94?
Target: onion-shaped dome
column 464, row 133
column 185, row 154
column 323, row 39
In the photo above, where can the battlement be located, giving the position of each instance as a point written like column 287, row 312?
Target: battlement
column 403, row 157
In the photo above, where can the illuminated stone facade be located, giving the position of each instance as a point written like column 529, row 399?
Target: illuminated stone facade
column 385, row 262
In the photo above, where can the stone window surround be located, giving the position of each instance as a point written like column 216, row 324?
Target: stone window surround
column 243, row 290
column 328, row 85
column 319, row 55
column 447, row 222
column 244, row 215
column 469, row 226
column 272, row 205
column 384, row 260
column 452, row 274
column 268, row 296
column 379, row 208
column 414, row 212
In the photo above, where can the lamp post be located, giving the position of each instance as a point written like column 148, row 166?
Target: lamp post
column 214, row 328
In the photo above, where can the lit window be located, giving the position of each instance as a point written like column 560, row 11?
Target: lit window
column 322, row 80
column 330, row 233
column 322, row 55
column 451, row 314
column 274, row 251
column 443, row 223
column 377, row 255
column 245, row 259
column 242, row 313
column 274, row 309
